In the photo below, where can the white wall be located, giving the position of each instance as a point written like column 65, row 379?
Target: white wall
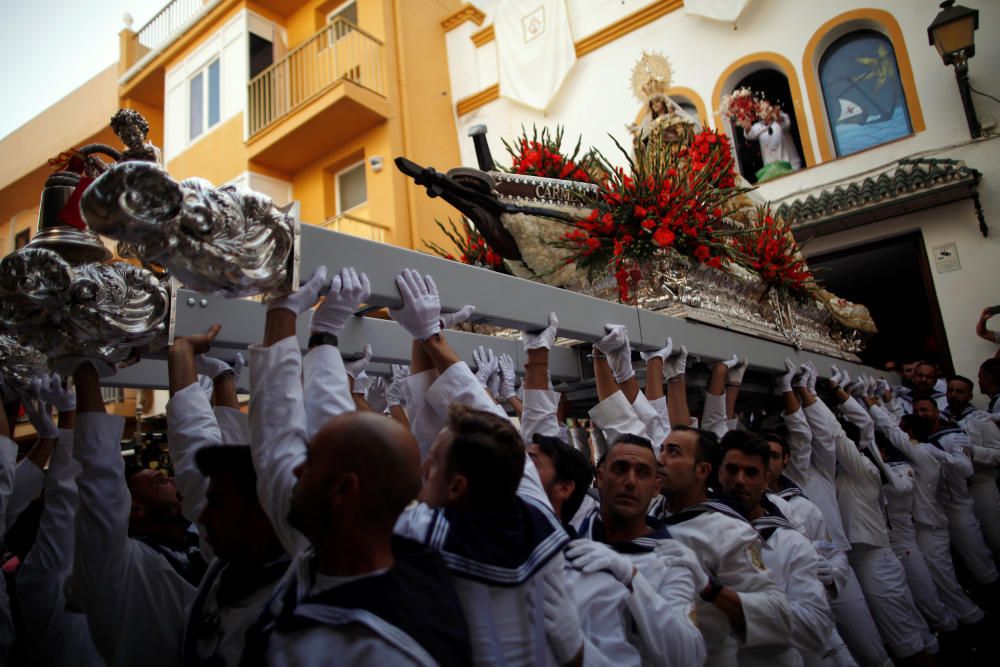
column 596, row 99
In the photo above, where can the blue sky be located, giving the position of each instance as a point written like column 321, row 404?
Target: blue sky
column 51, row 47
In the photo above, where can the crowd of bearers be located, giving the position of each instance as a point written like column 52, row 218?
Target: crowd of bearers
column 444, row 518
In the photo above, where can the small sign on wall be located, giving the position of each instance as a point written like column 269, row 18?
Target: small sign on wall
column 946, row 258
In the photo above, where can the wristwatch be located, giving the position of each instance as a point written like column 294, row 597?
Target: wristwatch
column 323, row 338
column 714, row 588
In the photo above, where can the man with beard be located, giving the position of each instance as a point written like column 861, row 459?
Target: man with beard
column 661, row 573
column 788, row 554
column 136, row 565
column 925, row 381
column 742, row 606
column 984, row 441
column 953, row 494
column 353, row 590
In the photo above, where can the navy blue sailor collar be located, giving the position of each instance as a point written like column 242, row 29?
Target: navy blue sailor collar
column 593, row 528
column 772, row 520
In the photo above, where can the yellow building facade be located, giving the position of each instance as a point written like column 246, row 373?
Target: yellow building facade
column 303, row 100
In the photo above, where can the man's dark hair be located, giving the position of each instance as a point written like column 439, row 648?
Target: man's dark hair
column 630, row 439
column 774, row 436
column 924, row 397
column 707, row 445
column 233, row 460
column 571, row 466
column 960, row 378
column 991, row 369
column 932, row 365
column 747, row 443
column 488, row 451
column 918, row 427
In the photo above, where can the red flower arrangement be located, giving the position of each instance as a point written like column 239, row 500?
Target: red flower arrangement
column 541, row 155
column 672, row 199
column 471, row 247
column 770, row 250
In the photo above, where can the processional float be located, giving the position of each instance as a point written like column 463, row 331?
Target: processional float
column 192, row 253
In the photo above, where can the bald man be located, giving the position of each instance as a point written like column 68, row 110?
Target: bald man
column 353, row 590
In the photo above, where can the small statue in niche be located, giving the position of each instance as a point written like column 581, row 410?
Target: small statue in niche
column 133, row 129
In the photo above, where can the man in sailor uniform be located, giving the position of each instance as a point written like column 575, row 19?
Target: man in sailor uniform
column 984, row 441
column 661, row 573
column 925, row 383
column 787, row 553
column 989, row 384
column 742, row 606
column 353, row 590
column 953, row 494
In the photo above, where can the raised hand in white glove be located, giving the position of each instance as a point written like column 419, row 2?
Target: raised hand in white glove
column 801, row 380
column 813, row 375
column 348, row 290
column 562, row 622
column 396, row 394
column 303, row 298
column 39, row 413
column 62, row 398
column 824, row 571
column 375, row 395
column 360, row 385
column 542, row 339
column 356, row 367
column 449, row 320
column 883, row 389
column 675, row 366
column 618, row 351
column 486, row 364
column 784, row 381
column 210, row 367
column 838, row 378
column 508, row 379
column 856, row 387
column 737, row 369
column 590, row 556
column 239, row 363
column 662, row 353
column 420, row 312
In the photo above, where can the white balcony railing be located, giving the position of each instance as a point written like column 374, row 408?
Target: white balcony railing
column 168, row 21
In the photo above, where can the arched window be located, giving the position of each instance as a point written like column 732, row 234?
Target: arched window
column 864, row 99
column 772, row 85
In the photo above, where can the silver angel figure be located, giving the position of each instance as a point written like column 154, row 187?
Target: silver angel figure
column 105, row 310
column 227, row 241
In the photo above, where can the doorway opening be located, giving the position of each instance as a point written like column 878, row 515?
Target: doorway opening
column 893, row 279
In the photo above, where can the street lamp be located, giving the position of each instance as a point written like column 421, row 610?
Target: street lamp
column 951, row 33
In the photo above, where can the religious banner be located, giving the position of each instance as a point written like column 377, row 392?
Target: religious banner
column 534, row 49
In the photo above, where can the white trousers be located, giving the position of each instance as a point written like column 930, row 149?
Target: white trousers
column 986, row 502
column 922, row 587
column 884, row 584
column 856, row 625
column 936, row 545
column 967, row 538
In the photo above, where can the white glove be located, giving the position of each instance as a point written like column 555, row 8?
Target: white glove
column 360, row 383
column 348, row 290
column 486, row 365
column 303, row 298
column 562, row 622
column 395, row 394
column 207, row 386
column 824, row 571
column 615, row 346
column 493, row 384
column 856, row 387
column 449, row 320
column 662, row 353
column 375, row 395
column 590, row 556
column 813, row 374
column 544, row 338
column 39, row 413
column 210, row 367
column 507, row 377
column 420, row 312
column 239, row 363
column 838, row 378
column 882, row 388
column 737, row 369
column 675, row 366
column 784, row 381
column 801, row 381
column 356, row 367
column 63, row 399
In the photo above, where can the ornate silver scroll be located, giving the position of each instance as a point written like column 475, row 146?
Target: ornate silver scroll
column 227, row 241
column 20, row 363
column 109, row 311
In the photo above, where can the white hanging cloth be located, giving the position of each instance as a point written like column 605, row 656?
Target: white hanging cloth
column 719, row 10
column 534, row 49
